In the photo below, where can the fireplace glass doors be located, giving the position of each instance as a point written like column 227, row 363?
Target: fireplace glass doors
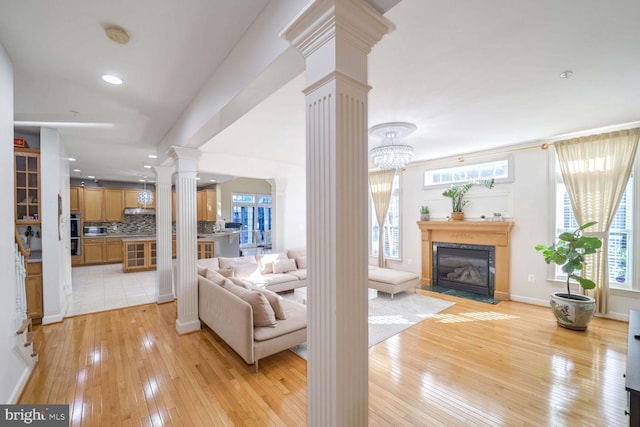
column 464, row 267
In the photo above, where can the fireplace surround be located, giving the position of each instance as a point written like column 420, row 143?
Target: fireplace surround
column 487, row 233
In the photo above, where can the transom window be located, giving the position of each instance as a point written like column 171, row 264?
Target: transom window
column 497, row 169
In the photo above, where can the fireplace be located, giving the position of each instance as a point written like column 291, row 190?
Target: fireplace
column 464, row 267
column 466, row 234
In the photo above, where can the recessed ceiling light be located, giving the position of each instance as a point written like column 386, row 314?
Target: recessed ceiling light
column 152, row 156
column 111, row 79
column 212, row 180
column 148, row 166
column 72, row 159
column 77, row 170
column 91, row 177
column 566, row 74
column 197, row 178
column 142, row 180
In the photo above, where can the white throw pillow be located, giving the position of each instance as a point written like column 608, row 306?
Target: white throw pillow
column 301, row 262
column 210, row 263
column 266, row 261
column 263, row 314
column 215, row 277
column 297, row 252
column 284, row 265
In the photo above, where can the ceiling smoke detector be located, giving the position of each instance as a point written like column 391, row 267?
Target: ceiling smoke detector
column 117, row 33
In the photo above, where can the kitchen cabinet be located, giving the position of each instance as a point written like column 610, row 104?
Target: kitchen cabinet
column 173, row 206
column 139, row 255
column 35, row 307
column 173, row 247
column 114, row 249
column 131, row 200
column 95, row 250
column 75, row 199
column 27, row 186
column 93, row 205
column 113, row 205
column 205, row 250
column 207, row 204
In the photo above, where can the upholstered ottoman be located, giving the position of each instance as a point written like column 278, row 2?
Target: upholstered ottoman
column 391, row 281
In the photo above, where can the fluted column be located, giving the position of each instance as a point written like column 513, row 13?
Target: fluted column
column 164, row 276
column 335, row 37
column 186, row 238
column 278, row 221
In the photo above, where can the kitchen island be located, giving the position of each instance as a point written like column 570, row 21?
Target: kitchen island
column 223, row 243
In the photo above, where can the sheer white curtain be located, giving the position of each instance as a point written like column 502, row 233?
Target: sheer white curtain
column 381, row 186
column 595, row 170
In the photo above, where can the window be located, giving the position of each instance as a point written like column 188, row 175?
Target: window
column 497, row 169
column 253, row 211
column 620, row 234
column 391, row 226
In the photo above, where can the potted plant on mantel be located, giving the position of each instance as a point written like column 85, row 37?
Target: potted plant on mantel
column 424, row 213
column 572, row 311
column 457, row 193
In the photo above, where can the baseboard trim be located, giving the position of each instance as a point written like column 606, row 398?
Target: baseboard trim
column 52, row 319
column 165, row 298
column 21, row 384
column 187, row 327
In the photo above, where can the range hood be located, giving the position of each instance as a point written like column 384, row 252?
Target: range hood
column 139, row 211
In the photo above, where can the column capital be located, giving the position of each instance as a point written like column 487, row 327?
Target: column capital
column 186, row 158
column 163, row 174
column 358, row 23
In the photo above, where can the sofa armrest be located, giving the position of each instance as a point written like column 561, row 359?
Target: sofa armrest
column 228, row 316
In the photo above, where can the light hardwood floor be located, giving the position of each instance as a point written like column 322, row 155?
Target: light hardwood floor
column 472, row 365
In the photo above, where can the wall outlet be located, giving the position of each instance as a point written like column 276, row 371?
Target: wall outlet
column 532, row 278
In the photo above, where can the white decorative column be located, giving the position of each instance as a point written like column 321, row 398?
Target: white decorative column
column 278, row 196
column 186, row 238
column 164, row 274
column 335, row 37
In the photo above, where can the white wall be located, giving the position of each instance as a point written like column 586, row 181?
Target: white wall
column 527, row 201
column 13, row 372
column 56, row 258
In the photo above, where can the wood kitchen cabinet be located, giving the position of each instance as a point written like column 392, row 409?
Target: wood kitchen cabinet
column 173, row 206
column 113, row 205
column 27, row 185
column 131, row 200
column 207, row 204
column 95, row 250
column 205, row 250
column 114, row 249
column 93, row 204
column 173, row 247
column 75, row 199
column 139, row 255
column 35, row 307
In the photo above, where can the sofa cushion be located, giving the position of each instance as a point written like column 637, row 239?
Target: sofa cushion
column 275, row 301
column 263, row 314
column 202, row 270
column 249, row 271
column 210, row 263
column 284, row 265
column 274, row 279
column 387, row 275
column 243, row 283
column 230, row 262
column 215, row 277
column 301, row 262
column 266, row 261
column 299, row 274
column 296, row 319
column 296, row 253
column 226, row 272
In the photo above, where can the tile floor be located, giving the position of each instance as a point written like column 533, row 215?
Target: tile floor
column 105, row 287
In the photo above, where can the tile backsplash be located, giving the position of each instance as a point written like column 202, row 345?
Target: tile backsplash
column 144, row 224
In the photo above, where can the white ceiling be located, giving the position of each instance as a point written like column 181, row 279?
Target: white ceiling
column 471, row 75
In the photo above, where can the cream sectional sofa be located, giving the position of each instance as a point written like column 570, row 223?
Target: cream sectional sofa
column 233, row 318
column 277, row 272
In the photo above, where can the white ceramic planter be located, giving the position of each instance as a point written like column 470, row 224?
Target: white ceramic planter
column 572, row 313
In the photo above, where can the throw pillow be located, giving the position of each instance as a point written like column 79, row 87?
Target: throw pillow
column 301, row 262
column 296, row 253
column 230, row 262
column 249, row 271
column 226, row 272
column 242, row 283
column 263, row 314
column 275, row 302
column 202, row 270
column 215, row 277
column 284, row 265
column 266, row 261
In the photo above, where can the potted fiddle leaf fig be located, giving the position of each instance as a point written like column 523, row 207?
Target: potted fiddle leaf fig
column 572, row 311
column 424, row 213
column 457, row 193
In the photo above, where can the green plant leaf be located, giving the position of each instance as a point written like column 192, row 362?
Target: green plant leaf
column 585, row 283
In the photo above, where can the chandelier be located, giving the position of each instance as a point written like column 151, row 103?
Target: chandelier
column 389, row 155
column 145, row 197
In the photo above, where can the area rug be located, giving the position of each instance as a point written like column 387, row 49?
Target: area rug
column 387, row 316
